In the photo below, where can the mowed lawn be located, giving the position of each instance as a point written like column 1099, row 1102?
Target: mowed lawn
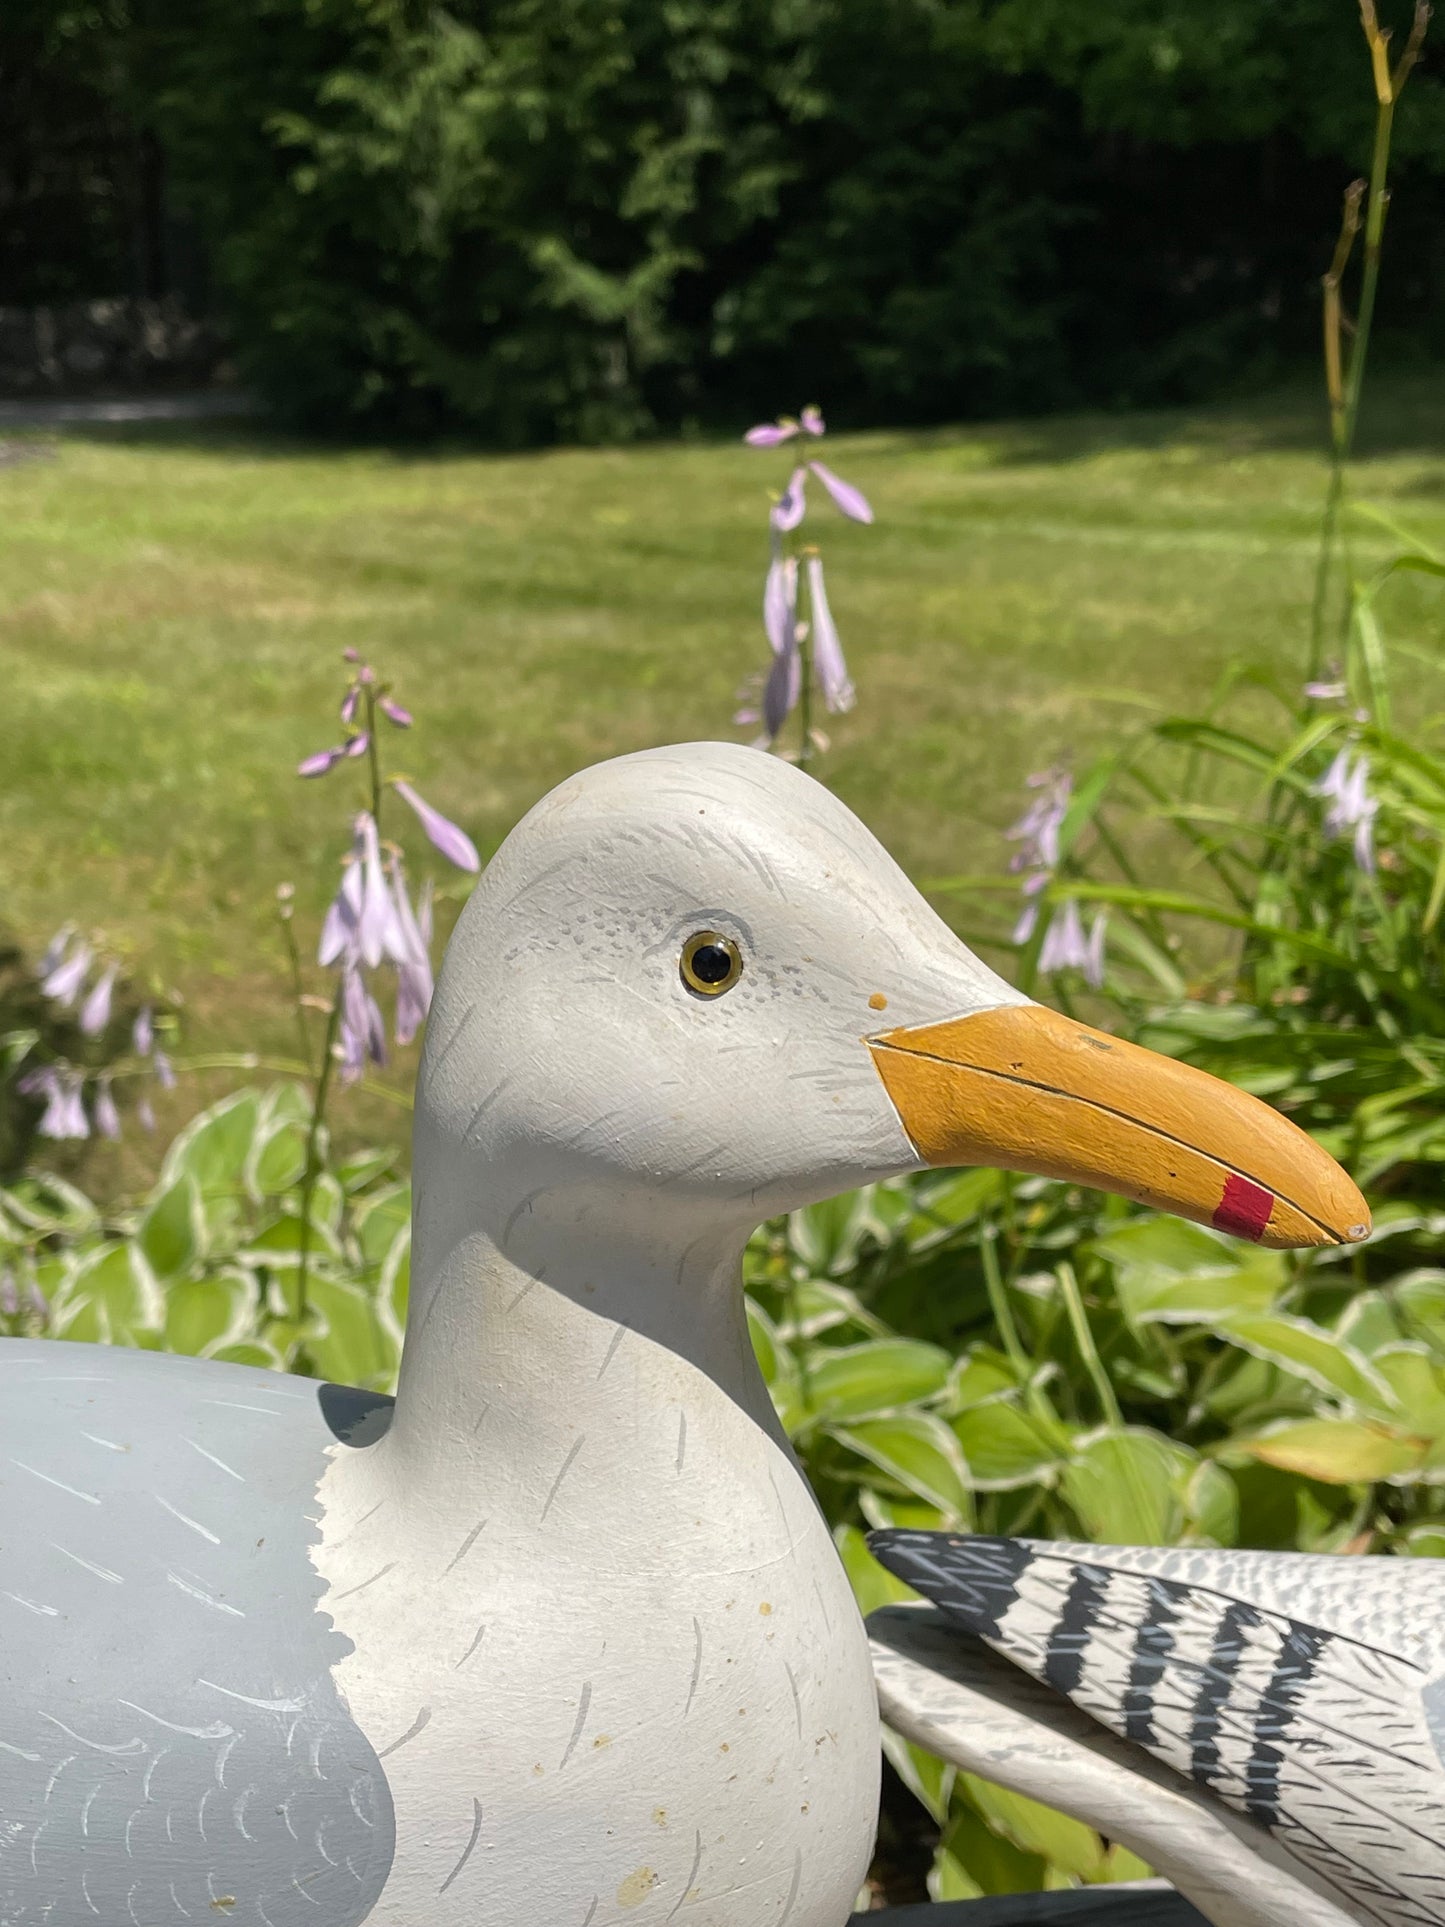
column 174, row 603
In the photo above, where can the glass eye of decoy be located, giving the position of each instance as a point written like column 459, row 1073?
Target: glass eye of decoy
column 711, row 963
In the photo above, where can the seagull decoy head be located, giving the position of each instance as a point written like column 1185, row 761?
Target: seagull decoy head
column 692, row 985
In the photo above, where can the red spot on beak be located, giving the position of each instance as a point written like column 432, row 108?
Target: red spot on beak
column 1244, row 1209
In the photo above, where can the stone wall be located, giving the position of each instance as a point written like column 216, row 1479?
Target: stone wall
column 86, row 347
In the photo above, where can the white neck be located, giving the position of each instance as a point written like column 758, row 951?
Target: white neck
column 585, row 1313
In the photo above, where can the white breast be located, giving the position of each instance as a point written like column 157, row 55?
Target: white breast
column 616, row 1675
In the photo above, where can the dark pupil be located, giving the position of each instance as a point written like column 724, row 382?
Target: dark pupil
column 711, row 963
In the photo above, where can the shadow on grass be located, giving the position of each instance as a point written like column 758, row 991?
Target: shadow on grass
column 1404, row 414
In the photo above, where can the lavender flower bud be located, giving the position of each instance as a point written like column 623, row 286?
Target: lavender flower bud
column 850, row 500
column 142, row 1033
column 65, row 980
column 827, row 649
column 791, row 506
column 444, row 835
column 95, row 1011
column 102, row 1109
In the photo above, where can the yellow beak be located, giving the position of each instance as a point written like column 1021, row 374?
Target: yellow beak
column 1028, row 1090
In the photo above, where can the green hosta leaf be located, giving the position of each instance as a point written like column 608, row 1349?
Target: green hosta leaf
column 876, row 1377
column 765, row 1342
column 278, row 1160
column 394, row 1294
column 1423, row 1542
column 279, row 1242
column 110, row 1297
column 981, row 1375
column 1308, row 1351
column 1005, row 1448
column 1127, row 1487
column 387, row 1213
column 1368, row 1322
column 172, row 1234
column 251, row 1351
column 43, row 1202
column 1169, row 1272
column 929, row 1779
column 351, row 1347
column 873, row 1585
column 827, row 1237
column 1038, row 1829
column 1211, row 1500
column 1417, row 1387
column 818, row 1305
column 918, row 1450
column 364, row 1168
column 214, row 1147
column 1420, row 1298
column 973, row 1860
column 1336, row 1451
column 943, row 1206
column 204, row 1315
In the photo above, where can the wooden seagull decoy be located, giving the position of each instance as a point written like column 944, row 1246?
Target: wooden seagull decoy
column 561, row 1639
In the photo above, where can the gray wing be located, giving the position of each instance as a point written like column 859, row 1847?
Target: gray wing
column 172, row 1746
column 1296, row 1688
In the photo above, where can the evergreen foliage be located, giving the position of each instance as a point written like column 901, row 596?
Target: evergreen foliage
column 590, row 218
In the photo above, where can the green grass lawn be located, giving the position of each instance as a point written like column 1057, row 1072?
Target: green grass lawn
column 173, row 605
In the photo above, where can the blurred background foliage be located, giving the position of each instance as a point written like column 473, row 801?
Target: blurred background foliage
column 592, row 218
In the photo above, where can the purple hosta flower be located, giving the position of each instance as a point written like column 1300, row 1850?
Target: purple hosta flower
column 95, row 1011
column 361, row 925
column 63, row 982
column 1345, row 786
column 414, row 974
column 1029, row 915
column 1327, row 692
column 454, row 843
column 165, row 1072
column 827, row 649
column 780, row 604
column 782, row 689
column 791, row 506
column 769, row 434
column 361, row 1033
column 394, row 712
column 143, row 1033
column 320, row 763
column 102, row 1109
column 850, row 500
column 144, row 1115
column 350, row 655
column 55, row 950
column 1037, row 834
column 359, row 744
column 350, row 702
column 1037, row 831
column 1065, row 947
column 64, row 1115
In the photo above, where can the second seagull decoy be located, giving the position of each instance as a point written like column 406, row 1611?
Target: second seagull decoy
column 1285, row 1711
column 562, row 1639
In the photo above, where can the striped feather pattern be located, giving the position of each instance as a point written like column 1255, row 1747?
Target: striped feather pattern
column 1227, row 1670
